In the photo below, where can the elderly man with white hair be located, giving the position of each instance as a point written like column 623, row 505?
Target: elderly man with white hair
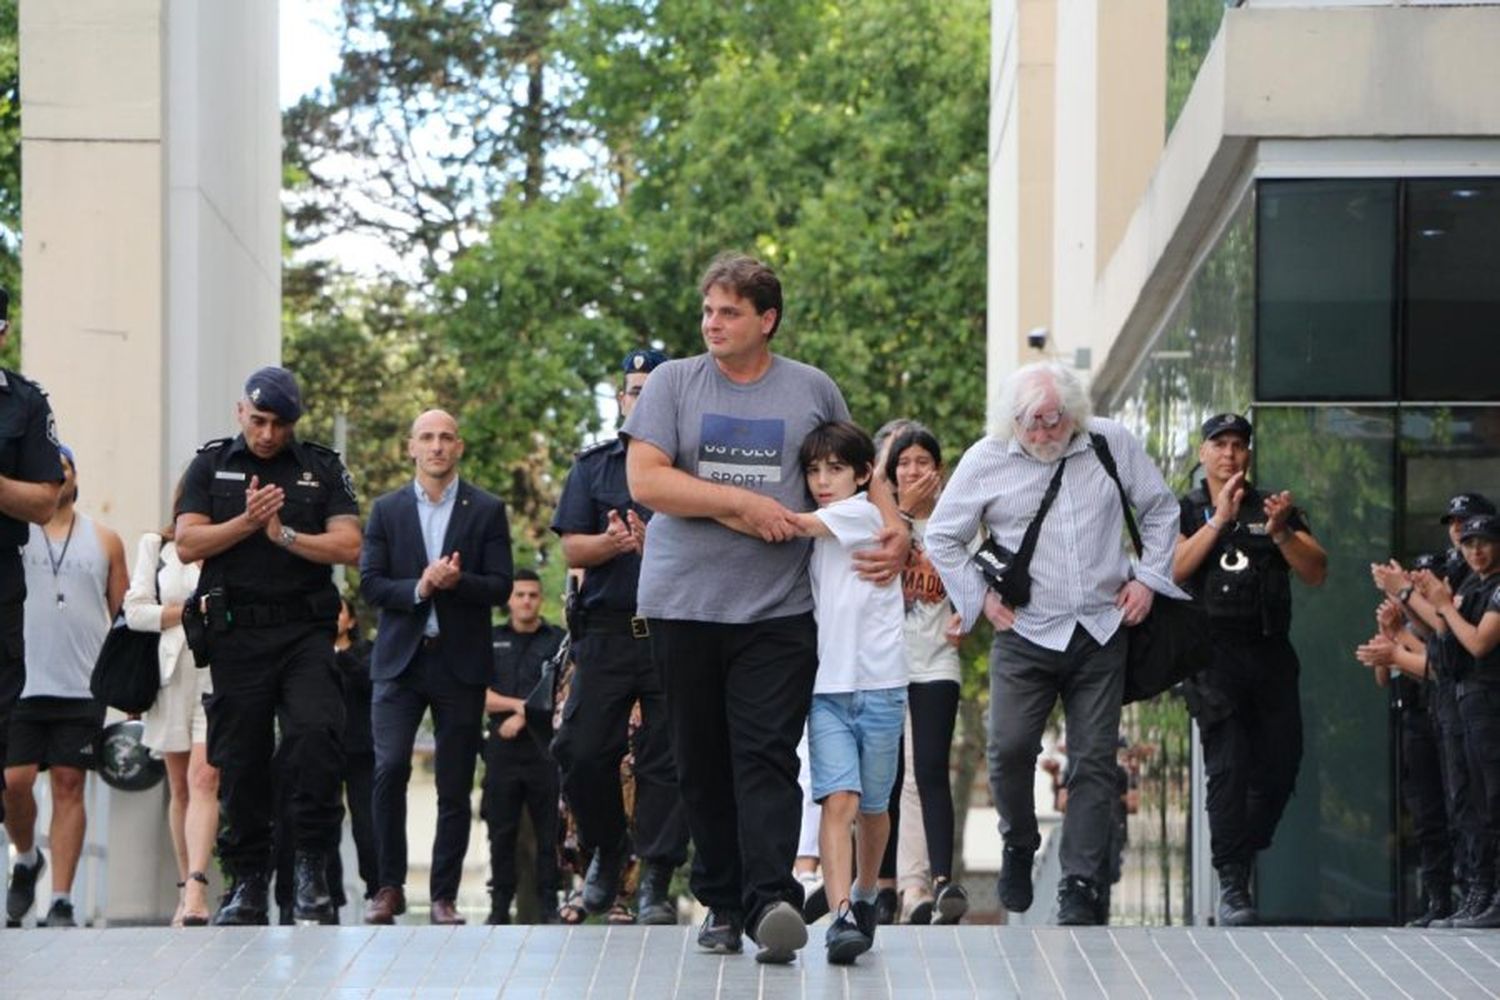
column 1066, row 640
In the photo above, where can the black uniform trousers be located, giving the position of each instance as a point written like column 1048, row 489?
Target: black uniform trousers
column 1253, row 747
column 738, row 697
column 1422, row 786
column 12, row 674
column 258, row 672
column 1463, row 820
column 612, row 671
column 396, row 710
column 359, row 776
column 1479, row 711
column 518, row 774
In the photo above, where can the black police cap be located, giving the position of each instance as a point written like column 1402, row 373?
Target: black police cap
column 1226, row 423
column 275, row 389
column 1463, row 506
column 1432, row 562
column 1482, row 526
column 643, row 360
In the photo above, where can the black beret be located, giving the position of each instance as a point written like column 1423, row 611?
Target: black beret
column 275, row 389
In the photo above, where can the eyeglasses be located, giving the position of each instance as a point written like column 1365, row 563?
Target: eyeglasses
column 1043, row 421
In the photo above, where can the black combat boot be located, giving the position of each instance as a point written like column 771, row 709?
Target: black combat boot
column 602, row 880
column 312, row 902
column 1475, row 902
column 1488, row 917
column 1235, row 908
column 1077, row 902
column 1439, row 906
column 653, row 902
column 246, row 904
column 500, row 908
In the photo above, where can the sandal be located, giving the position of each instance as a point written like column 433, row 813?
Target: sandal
column 195, row 919
column 620, row 915
column 176, row 920
column 571, row 911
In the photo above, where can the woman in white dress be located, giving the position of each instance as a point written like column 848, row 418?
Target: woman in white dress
column 176, row 726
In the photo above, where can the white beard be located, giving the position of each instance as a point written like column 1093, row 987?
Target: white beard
column 1048, row 451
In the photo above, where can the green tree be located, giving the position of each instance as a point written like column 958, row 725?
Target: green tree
column 1191, row 27
column 10, row 174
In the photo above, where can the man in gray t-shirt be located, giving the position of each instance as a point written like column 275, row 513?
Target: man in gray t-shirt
column 713, row 447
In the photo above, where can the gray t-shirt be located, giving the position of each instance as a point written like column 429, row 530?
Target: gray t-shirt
column 745, row 435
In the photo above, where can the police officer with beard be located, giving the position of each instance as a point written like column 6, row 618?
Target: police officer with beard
column 1237, row 550
column 270, row 516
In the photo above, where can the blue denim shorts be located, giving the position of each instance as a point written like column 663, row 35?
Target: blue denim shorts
column 854, row 740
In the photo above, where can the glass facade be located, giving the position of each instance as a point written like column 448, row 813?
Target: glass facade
column 1351, row 318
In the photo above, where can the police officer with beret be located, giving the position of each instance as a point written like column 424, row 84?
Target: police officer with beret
column 31, row 477
column 270, row 516
column 1236, row 552
column 603, row 531
column 1470, row 618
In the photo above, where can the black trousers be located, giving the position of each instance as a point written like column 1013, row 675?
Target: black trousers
column 1463, row 819
column 258, row 672
column 612, row 671
column 359, row 770
column 396, row 710
column 518, row 774
column 12, row 673
column 933, row 707
column 1251, row 754
column 1422, row 787
column 1479, row 710
column 738, row 697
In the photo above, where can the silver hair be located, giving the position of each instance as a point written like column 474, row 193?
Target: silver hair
column 1025, row 390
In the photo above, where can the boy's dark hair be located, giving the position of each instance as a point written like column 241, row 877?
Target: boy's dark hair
column 912, row 434
column 749, row 279
column 840, row 439
column 526, row 574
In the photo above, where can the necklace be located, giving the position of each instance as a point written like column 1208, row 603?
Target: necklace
column 56, row 563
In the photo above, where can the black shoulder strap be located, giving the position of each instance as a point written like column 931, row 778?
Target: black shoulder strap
column 1034, row 529
column 1106, row 459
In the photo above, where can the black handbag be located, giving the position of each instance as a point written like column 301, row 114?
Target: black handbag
column 1009, row 573
column 1172, row 644
column 126, row 673
column 542, row 699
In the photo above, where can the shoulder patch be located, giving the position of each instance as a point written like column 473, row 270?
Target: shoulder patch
column 1495, row 599
column 596, row 448
column 215, row 443
column 320, row 448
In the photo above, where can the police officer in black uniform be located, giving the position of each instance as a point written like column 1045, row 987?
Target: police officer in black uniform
column 518, row 769
column 270, row 516
column 30, row 477
column 1237, row 550
column 603, row 531
column 1470, row 618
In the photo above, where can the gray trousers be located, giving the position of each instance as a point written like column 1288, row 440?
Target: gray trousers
column 1025, row 682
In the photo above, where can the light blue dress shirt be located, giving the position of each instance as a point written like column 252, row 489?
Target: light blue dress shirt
column 434, row 517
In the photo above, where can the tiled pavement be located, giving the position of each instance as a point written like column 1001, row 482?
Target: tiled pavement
column 603, row 962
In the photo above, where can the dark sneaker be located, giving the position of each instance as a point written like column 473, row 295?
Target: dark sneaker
column 61, row 915
column 1015, row 879
column 921, row 914
column 1487, row 918
column 780, row 932
column 22, row 893
column 844, row 940
column 1475, row 902
column 951, row 904
column 866, row 917
column 1235, row 908
column 814, row 904
column 886, row 904
column 721, row 932
column 1077, row 902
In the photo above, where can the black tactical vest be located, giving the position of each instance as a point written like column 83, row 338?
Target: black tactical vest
column 1244, row 584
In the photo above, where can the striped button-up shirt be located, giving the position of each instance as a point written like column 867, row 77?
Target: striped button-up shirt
column 1080, row 562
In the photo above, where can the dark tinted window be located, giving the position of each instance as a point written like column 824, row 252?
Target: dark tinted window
column 1452, row 290
column 1326, row 253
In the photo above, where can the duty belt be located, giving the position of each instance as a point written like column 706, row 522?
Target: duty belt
column 615, row 622
column 287, row 613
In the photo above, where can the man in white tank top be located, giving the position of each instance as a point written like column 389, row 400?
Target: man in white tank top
column 75, row 581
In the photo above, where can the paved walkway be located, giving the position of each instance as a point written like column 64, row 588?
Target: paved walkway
column 602, row 962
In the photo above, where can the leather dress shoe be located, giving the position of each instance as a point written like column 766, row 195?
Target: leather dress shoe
column 602, row 882
column 247, row 903
column 312, row 903
column 388, row 903
column 444, row 912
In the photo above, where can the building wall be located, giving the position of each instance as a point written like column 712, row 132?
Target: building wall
column 151, row 282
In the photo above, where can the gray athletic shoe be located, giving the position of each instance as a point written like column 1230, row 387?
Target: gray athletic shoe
column 780, row 933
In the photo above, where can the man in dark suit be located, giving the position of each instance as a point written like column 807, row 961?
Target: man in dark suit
column 436, row 560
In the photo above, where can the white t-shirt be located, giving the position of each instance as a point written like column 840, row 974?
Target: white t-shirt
column 928, row 652
column 861, row 646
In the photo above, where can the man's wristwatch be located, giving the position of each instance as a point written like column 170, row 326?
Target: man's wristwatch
column 1404, row 594
column 288, row 536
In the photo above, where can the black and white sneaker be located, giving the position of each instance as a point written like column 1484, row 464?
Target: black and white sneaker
column 845, row 939
column 951, row 903
column 61, row 915
column 780, row 932
column 721, row 932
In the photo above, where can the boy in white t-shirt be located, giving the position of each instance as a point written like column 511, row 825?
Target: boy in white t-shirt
column 859, row 698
